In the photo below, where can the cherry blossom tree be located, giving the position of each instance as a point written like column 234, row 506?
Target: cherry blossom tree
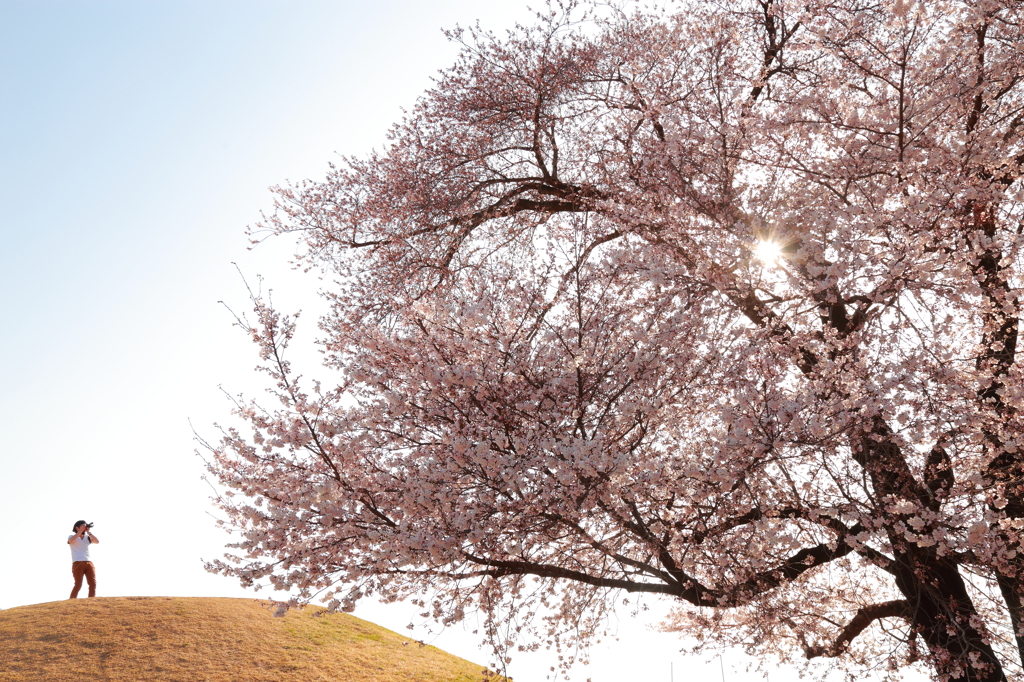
column 714, row 302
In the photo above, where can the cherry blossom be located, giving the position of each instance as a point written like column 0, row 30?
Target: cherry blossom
column 708, row 302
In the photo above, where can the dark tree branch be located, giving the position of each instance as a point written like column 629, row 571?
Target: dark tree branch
column 866, row 615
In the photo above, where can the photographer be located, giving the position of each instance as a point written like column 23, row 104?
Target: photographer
column 81, row 564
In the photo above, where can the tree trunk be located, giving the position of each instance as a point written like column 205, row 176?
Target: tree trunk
column 942, row 616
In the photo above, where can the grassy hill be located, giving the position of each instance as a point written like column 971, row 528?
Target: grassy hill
column 160, row 639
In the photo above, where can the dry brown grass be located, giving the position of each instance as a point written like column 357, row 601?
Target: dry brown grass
column 164, row 639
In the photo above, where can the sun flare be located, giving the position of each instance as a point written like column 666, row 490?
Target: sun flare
column 767, row 252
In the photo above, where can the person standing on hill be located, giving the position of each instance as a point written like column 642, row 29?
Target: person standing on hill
column 81, row 564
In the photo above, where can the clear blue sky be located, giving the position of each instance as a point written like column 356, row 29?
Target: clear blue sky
column 137, row 141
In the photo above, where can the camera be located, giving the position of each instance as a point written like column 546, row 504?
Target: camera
column 88, row 526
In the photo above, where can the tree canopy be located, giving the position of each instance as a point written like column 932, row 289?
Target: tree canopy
column 710, row 301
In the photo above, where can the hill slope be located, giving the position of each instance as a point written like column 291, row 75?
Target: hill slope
column 164, row 639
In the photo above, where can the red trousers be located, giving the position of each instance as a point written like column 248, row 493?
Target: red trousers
column 83, row 569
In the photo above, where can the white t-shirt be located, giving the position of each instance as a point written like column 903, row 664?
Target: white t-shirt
column 79, row 547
